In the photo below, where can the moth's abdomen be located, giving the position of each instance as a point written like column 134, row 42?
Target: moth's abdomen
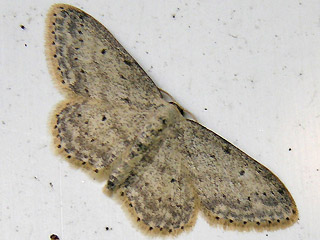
column 150, row 137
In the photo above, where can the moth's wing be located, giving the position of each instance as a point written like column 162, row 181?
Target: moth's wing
column 159, row 194
column 96, row 133
column 102, row 81
column 86, row 60
column 234, row 189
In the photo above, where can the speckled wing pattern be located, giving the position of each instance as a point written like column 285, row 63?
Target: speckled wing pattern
column 160, row 194
column 234, row 189
column 163, row 167
column 88, row 61
column 101, row 80
column 77, row 127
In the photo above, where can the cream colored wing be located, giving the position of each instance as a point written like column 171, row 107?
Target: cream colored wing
column 108, row 93
column 158, row 192
column 95, row 133
column 86, row 60
column 234, row 189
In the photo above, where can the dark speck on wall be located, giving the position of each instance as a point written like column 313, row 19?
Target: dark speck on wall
column 54, row 237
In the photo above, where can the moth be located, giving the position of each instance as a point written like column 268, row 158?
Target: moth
column 164, row 167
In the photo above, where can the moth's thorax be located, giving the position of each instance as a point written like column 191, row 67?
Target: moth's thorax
column 150, row 137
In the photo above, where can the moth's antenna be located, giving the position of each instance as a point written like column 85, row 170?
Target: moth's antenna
column 179, row 106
